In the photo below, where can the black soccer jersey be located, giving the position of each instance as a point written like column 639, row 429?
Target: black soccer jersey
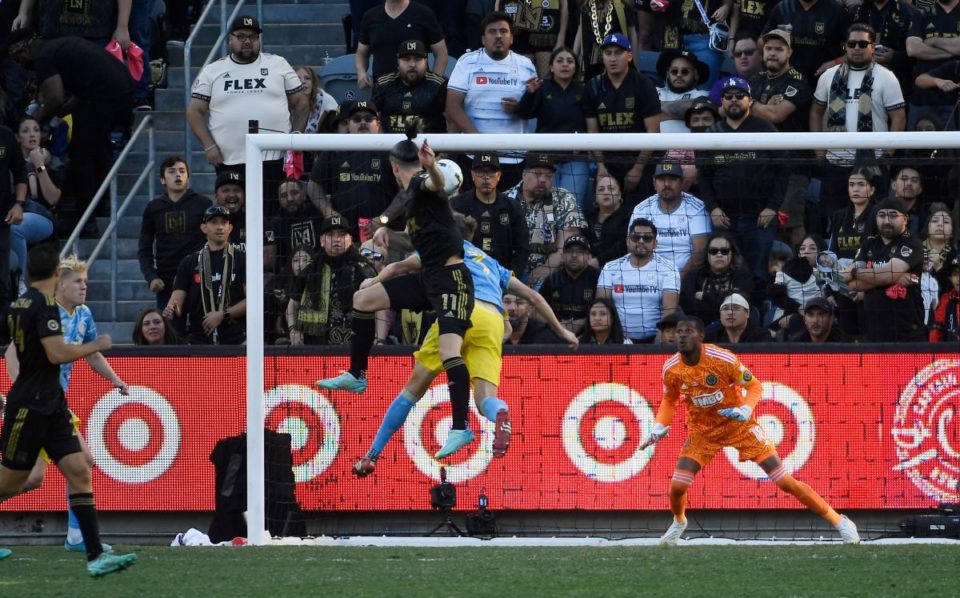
column 357, row 183
column 170, row 230
column 621, row 109
column 430, row 223
column 556, row 109
column 30, row 319
column 817, row 34
column 569, row 297
column 287, row 231
column 754, row 15
column 893, row 313
column 794, row 87
column 847, row 231
column 399, row 103
column 501, row 228
column 934, row 22
column 384, row 34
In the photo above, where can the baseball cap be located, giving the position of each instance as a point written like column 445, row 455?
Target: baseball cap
column 617, row 39
column 669, row 321
column 538, row 160
column 820, row 303
column 216, row 212
column 335, row 221
column 355, row 106
column 735, row 83
column 736, row 299
column 893, row 203
column 412, row 46
column 780, row 34
column 700, row 105
column 486, row 160
column 245, row 22
column 668, row 168
column 574, row 241
column 667, row 57
column 228, row 177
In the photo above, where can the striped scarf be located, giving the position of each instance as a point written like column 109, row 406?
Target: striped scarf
column 835, row 117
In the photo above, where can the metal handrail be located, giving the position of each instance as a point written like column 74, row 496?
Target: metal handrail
column 110, row 181
column 214, row 51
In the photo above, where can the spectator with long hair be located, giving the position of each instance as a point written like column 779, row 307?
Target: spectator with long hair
column 43, row 194
column 152, row 329
column 720, row 272
column 555, row 102
column 603, row 324
column 607, row 221
column 323, row 106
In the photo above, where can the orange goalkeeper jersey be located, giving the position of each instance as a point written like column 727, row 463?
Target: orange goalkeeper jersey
column 715, row 383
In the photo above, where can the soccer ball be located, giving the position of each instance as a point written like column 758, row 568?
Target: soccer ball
column 452, row 176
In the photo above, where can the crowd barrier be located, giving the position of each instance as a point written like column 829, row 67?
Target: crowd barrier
column 868, row 430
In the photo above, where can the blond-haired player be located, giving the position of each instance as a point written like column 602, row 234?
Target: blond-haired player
column 708, row 380
column 78, row 327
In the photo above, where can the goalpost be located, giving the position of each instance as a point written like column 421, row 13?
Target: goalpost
column 257, row 143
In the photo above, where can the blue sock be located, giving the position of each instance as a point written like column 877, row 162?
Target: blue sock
column 72, row 519
column 392, row 420
column 492, row 406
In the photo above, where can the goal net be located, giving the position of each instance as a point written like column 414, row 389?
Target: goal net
column 868, row 426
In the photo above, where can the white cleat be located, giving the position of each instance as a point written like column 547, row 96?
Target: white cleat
column 848, row 531
column 673, row 533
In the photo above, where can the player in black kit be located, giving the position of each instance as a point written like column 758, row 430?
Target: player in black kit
column 443, row 285
column 36, row 415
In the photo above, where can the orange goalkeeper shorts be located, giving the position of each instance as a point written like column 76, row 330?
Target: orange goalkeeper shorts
column 751, row 443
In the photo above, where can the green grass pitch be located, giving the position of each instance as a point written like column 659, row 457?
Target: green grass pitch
column 275, row 572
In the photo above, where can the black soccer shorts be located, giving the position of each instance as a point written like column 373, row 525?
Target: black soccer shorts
column 26, row 431
column 447, row 290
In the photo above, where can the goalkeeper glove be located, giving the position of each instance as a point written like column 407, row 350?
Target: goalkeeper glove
column 658, row 432
column 741, row 413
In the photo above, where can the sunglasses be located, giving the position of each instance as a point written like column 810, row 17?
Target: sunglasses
column 367, row 118
column 371, row 254
column 734, row 96
column 680, row 72
column 719, row 251
column 741, row 53
column 645, row 237
column 858, row 43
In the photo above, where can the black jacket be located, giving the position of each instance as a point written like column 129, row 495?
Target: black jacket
column 169, row 232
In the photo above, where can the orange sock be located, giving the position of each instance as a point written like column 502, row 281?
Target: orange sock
column 808, row 496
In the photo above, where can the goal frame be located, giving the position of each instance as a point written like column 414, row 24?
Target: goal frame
column 256, row 143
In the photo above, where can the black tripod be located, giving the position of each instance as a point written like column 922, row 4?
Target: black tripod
column 443, row 497
column 446, row 523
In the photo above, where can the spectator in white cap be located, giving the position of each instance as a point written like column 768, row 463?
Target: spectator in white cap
column 735, row 324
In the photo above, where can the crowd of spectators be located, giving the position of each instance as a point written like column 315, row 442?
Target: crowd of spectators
column 788, row 246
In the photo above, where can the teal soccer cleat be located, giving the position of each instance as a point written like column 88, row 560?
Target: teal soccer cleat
column 455, row 441
column 344, row 381
column 82, row 547
column 107, row 563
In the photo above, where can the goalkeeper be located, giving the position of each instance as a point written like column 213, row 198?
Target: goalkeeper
column 482, row 346
column 709, row 380
column 443, row 285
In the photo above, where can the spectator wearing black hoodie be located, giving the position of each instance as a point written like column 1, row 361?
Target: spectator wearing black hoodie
column 170, row 229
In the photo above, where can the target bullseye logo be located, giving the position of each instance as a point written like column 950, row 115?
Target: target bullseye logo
column 602, row 431
column 312, row 423
column 134, row 439
column 424, row 424
column 786, row 418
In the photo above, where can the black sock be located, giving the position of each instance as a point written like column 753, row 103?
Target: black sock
column 458, row 380
column 86, row 513
column 364, row 329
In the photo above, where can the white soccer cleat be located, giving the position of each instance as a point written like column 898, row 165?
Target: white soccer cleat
column 848, row 531
column 673, row 533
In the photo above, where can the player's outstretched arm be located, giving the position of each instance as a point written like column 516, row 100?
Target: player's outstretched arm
column 100, row 365
column 428, row 161
column 543, row 308
column 13, row 363
column 58, row 351
column 664, row 416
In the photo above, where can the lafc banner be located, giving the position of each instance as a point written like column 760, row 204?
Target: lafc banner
column 867, row 431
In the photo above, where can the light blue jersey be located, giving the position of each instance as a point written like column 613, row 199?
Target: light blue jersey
column 490, row 279
column 78, row 328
